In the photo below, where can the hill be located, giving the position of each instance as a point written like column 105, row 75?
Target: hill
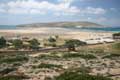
column 62, row 24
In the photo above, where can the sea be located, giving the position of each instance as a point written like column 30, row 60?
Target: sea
column 8, row 27
column 105, row 29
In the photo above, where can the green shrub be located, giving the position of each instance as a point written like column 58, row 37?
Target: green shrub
column 7, row 70
column 71, row 44
column 116, row 46
column 51, row 39
column 43, row 56
column 2, row 42
column 13, row 77
column 73, row 75
column 75, row 55
column 34, row 44
column 18, row 44
column 18, row 58
column 43, row 65
column 112, row 56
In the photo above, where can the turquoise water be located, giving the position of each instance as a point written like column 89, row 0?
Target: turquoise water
column 4, row 27
column 109, row 29
column 106, row 29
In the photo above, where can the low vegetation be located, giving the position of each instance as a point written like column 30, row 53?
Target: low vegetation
column 51, row 39
column 78, row 55
column 18, row 44
column 13, row 59
column 116, row 35
column 7, row 70
column 44, row 56
column 71, row 44
column 13, row 77
column 110, row 56
column 43, row 65
column 72, row 64
column 34, row 44
column 2, row 42
column 77, row 75
column 116, row 46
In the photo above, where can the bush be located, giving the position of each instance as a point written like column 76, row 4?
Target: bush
column 34, row 44
column 2, row 42
column 71, row 44
column 51, row 39
column 116, row 35
column 18, row 44
column 48, row 78
column 116, row 46
column 54, row 45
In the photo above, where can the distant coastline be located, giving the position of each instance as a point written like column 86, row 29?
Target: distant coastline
column 102, row 29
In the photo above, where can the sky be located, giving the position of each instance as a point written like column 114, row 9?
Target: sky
column 15, row 12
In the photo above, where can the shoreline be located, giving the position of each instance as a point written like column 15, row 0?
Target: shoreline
column 46, row 32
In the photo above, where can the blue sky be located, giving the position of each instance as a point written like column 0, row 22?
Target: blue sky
column 14, row 12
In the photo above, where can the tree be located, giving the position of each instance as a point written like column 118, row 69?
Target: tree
column 71, row 44
column 116, row 35
column 78, row 42
column 2, row 42
column 18, row 44
column 51, row 39
column 34, row 44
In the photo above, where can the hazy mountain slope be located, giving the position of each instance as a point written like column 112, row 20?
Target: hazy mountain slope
column 62, row 24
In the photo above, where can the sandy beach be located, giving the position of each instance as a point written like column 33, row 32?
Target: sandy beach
column 46, row 32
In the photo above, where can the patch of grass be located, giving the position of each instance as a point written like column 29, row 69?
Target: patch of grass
column 77, row 55
column 112, row 56
column 12, row 77
column 77, row 75
column 43, row 56
column 116, row 46
column 43, row 65
column 13, row 59
column 7, row 70
column 17, row 64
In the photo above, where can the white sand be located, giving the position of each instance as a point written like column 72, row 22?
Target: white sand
column 45, row 32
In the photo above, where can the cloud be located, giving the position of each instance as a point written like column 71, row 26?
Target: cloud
column 102, row 19
column 35, row 7
column 64, row 7
column 2, row 10
column 113, row 9
column 91, row 10
column 66, row 1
